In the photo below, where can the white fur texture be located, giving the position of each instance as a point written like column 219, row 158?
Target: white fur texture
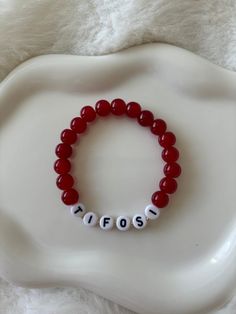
column 93, row 27
column 15, row 300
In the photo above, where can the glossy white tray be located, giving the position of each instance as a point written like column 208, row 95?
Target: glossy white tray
column 183, row 263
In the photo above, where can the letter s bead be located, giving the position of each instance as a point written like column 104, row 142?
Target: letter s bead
column 139, row 221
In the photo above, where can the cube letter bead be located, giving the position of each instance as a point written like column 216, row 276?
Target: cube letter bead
column 90, row 219
column 152, row 212
column 123, row 223
column 139, row 221
column 106, row 222
column 78, row 210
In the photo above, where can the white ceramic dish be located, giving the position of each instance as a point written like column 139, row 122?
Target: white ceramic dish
column 183, row 263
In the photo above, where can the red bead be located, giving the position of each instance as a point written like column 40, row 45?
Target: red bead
column 78, row 125
column 103, row 108
column 172, row 170
column 160, row 199
column 88, row 113
column 65, row 181
column 170, row 154
column 145, row 118
column 118, row 107
column 133, row 109
column 167, row 139
column 168, row 185
column 70, row 197
column 63, row 150
column 68, row 136
column 62, row 166
column 158, row 127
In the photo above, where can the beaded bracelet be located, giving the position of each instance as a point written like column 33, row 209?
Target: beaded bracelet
column 145, row 118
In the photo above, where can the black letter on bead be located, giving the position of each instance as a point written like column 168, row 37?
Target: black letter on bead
column 79, row 209
column 152, row 211
column 106, row 221
column 90, row 219
column 139, row 221
column 123, row 222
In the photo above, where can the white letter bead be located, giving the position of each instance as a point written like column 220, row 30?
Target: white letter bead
column 152, row 212
column 123, row 223
column 139, row 221
column 90, row 219
column 77, row 210
column 106, row 222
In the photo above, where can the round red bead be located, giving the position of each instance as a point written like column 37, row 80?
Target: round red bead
column 118, row 107
column 68, row 136
column 160, row 199
column 145, row 118
column 158, row 127
column 88, row 113
column 167, row 139
column 103, row 108
column 65, row 181
column 70, row 197
column 62, row 166
column 63, row 150
column 133, row 109
column 78, row 125
column 168, row 185
column 172, row 170
column 170, row 154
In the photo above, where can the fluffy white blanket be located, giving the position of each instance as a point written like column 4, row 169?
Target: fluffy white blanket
column 88, row 27
column 92, row 27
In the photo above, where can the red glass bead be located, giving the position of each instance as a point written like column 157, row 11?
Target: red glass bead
column 65, row 181
column 167, row 139
column 78, row 125
column 172, row 170
column 63, row 150
column 88, row 113
column 103, row 108
column 170, row 154
column 158, row 127
column 118, row 107
column 62, row 166
column 68, row 136
column 145, row 118
column 160, row 199
column 133, row 109
column 168, row 185
column 70, row 197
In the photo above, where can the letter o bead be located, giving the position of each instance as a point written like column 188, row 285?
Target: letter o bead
column 139, row 221
column 106, row 222
column 152, row 212
column 123, row 223
column 78, row 210
column 90, row 219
